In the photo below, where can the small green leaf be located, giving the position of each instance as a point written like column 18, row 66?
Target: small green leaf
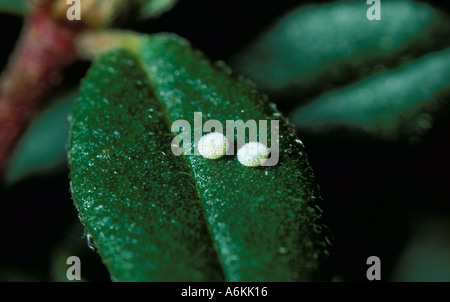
column 394, row 105
column 42, row 149
column 317, row 47
column 16, row 7
column 154, row 8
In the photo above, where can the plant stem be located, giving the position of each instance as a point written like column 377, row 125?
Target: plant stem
column 44, row 50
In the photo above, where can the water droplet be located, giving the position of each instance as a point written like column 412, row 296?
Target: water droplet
column 222, row 65
column 282, row 250
column 234, row 258
column 299, row 142
column 91, row 242
column 273, row 106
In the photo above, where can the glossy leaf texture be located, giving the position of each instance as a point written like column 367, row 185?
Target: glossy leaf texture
column 157, row 216
column 135, row 198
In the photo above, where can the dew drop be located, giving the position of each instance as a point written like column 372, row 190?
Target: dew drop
column 299, row 142
column 91, row 242
column 282, row 250
column 273, row 106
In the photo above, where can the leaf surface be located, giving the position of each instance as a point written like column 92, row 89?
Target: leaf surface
column 152, row 214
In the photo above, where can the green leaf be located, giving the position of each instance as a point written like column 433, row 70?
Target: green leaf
column 152, row 214
column 262, row 220
column 42, row 149
column 316, row 47
column 154, row 8
column 393, row 105
column 136, row 198
column 16, row 7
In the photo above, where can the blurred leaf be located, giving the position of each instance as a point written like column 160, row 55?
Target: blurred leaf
column 392, row 105
column 42, row 149
column 16, row 7
column 154, row 8
column 316, row 47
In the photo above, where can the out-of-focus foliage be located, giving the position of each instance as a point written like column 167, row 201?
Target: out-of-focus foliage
column 315, row 47
column 16, row 7
column 394, row 105
column 42, row 149
column 154, row 8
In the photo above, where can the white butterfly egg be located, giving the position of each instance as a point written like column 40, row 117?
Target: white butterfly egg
column 253, row 154
column 213, row 145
